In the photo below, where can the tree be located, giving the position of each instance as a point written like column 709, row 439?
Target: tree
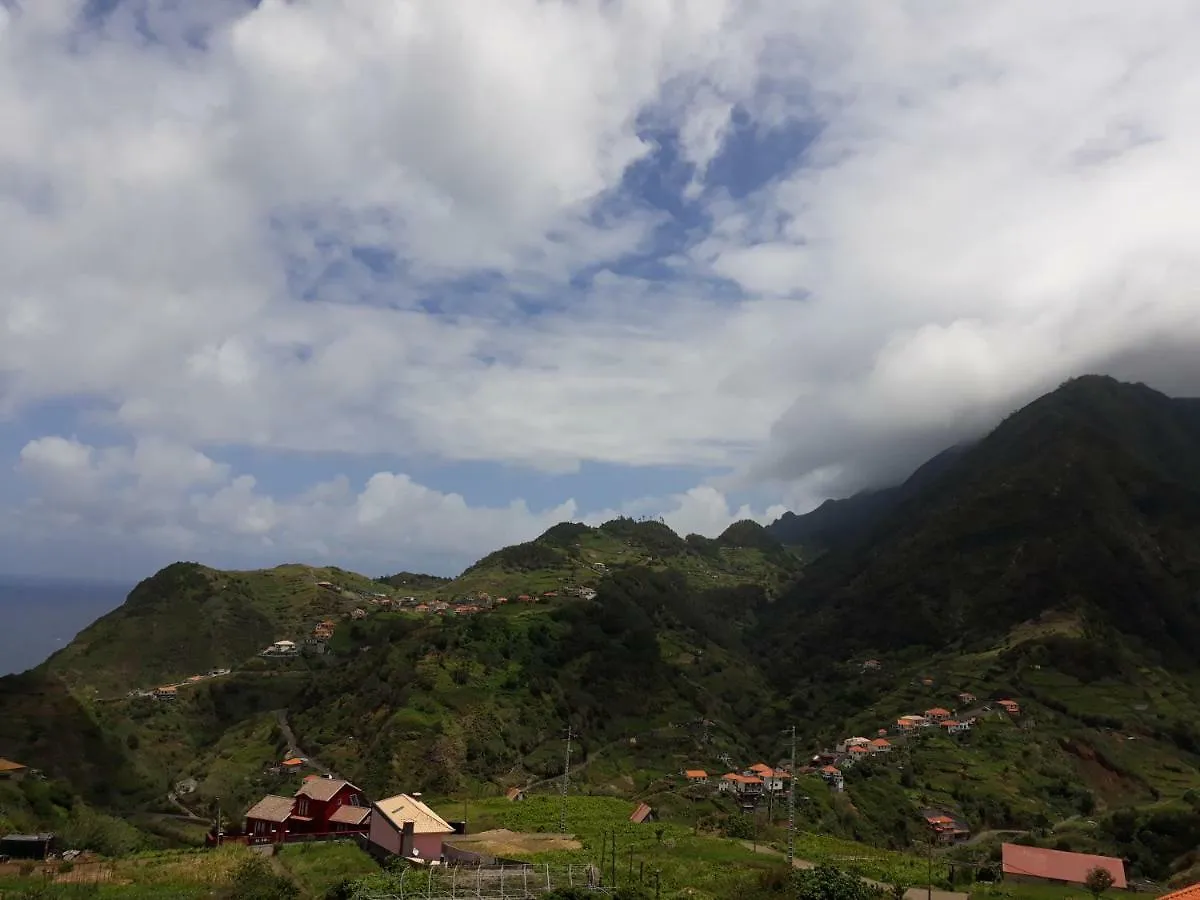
column 254, row 879
column 831, row 883
column 1098, row 881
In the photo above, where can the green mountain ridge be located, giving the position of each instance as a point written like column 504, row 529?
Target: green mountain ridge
column 1054, row 561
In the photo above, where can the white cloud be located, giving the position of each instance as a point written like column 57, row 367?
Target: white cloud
column 200, row 507
column 981, row 215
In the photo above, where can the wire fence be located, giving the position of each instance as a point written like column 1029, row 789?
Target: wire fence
column 506, row 882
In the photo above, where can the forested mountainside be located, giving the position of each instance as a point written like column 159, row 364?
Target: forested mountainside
column 1053, row 562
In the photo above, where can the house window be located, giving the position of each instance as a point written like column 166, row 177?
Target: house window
column 303, row 806
column 354, row 800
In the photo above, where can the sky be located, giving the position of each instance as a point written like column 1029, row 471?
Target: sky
column 391, row 284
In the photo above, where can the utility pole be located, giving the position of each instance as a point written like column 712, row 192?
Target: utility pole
column 930, row 895
column 562, row 816
column 218, row 835
column 791, row 854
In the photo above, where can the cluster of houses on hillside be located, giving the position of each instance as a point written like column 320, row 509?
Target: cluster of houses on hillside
column 830, row 763
column 747, row 785
column 169, row 692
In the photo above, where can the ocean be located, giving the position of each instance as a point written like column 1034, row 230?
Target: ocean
column 40, row 615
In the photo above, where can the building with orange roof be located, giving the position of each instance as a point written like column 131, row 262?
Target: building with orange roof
column 696, row 776
column 1191, row 892
column 1020, row 863
column 937, row 713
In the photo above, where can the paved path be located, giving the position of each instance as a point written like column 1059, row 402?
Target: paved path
column 911, row 894
column 293, row 748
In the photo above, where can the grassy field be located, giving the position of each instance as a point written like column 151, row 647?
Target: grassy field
column 691, row 864
column 186, row 874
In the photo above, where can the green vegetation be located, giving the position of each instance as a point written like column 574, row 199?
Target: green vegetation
column 1055, row 562
column 303, row 872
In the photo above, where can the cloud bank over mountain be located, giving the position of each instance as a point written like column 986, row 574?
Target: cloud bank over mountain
column 353, row 280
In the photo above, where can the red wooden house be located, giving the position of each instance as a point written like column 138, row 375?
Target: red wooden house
column 319, row 803
column 322, row 806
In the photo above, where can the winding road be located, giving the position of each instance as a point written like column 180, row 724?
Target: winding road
column 294, row 749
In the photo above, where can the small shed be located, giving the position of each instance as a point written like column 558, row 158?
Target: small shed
column 26, row 846
column 643, row 813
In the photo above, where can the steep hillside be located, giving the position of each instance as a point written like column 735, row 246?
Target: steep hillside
column 445, row 704
column 1057, row 561
column 188, row 619
column 843, row 523
column 1086, row 501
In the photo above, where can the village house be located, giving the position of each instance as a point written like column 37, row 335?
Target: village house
column 467, row 610
column 871, row 665
column 1034, row 864
column 12, row 771
column 696, row 776
column 847, row 743
column 324, row 630
column 320, row 802
column 881, row 745
column 966, row 698
column 910, row 723
column 166, row 692
column 833, row 777
column 358, row 613
column 525, row 598
column 267, row 820
column 514, row 794
column 322, row 806
column 741, row 785
column 280, row 648
column 1191, row 892
column 500, row 601
column 859, row 751
column 774, row 780
column 947, row 830
column 1010, row 706
column 404, row 826
column 937, row 714
column 950, row 726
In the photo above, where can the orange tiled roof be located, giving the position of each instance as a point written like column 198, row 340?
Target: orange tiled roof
column 695, row 773
column 1191, row 892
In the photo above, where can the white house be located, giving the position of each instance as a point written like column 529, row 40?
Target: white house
column 845, row 745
